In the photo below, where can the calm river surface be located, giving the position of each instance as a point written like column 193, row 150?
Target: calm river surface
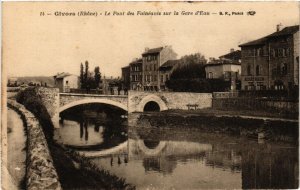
column 176, row 158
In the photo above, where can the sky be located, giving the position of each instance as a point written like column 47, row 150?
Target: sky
column 35, row 45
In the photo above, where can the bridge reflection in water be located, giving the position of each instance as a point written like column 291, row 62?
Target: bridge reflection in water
column 181, row 158
column 172, row 161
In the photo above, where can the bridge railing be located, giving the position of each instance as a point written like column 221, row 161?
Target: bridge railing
column 92, row 95
column 95, row 91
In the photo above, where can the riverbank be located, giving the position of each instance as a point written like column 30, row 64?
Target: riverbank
column 238, row 113
column 256, row 127
column 76, row 172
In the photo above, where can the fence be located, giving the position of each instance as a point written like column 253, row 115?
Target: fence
column 233, row 94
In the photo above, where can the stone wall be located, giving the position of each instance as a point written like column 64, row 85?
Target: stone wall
column 168, row 100
column 40, row 172
column 256, row 104
column 50, row 99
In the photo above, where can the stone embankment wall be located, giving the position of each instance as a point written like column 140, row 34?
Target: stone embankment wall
column 40, row 172
column 275, row 130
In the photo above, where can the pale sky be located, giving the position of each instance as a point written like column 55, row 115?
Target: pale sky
column 36, row 45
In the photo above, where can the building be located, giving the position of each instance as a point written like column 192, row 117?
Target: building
column 12, row 81
column 65, row 82
column 126, row 77
column 152, row 60
column 224, row 69
column 111, row 85
column 165, row 72
column 136, row 74
column 272, row 62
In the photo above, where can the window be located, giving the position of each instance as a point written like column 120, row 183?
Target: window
column 257, row 70
column 67, row 82
column 161, row 78
column 273, row 52
column 288, row 52
column 259, row 52
column 284, row 52
column 248, row 70
column 280, row 52
column 154, row 78
column 210, row 75
column 283, row 68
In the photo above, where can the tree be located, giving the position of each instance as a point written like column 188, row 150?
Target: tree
column 82, row 82
column 190, row 67
column 196, row 58
column 97, row 76
column 86, row 73
column 190, row 75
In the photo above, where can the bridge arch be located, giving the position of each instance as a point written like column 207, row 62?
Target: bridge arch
column 91, row 100
column 151, row 151
column 152, row 98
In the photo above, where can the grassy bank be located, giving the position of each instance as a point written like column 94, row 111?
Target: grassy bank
column 74, row 171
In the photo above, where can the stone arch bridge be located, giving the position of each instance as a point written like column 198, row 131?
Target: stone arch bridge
column 135, row 101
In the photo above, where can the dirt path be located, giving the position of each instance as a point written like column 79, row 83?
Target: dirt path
column 16, row 152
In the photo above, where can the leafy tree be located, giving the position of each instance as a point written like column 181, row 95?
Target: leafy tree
column 196, row 58
column 190, row 67
column 97, row 76
column 190, row 75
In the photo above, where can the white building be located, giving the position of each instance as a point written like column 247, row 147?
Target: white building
column 66, row 81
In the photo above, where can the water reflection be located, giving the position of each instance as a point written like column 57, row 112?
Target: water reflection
column 154, row 158
column 90, row 129
column 164, row 162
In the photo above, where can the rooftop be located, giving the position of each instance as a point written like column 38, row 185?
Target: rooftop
column 261, row 41
column 153, row 50
column 61, row 75
column 169, row 64
column 232, row 55
column 126, row 67
column 286, row 31
column 136, row 61
column 222, row 62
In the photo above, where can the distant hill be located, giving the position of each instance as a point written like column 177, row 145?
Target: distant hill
column 36, row 79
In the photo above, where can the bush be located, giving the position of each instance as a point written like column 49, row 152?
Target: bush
column 32, row 101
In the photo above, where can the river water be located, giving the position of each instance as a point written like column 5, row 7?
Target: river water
column 153, row 158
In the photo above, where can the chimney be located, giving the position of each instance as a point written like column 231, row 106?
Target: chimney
column 278, row 27
column 231, row 50
column 146, row 49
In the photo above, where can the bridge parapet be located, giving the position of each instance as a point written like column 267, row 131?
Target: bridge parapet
column 66, row 98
